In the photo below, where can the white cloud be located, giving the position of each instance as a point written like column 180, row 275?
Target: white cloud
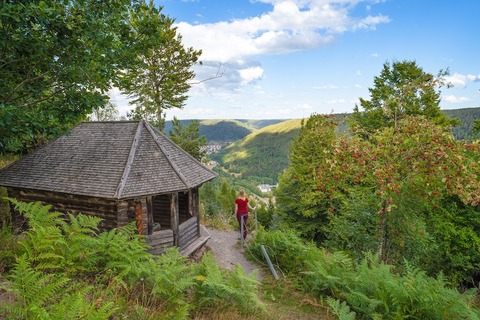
column 120, row 101
column 289, row 26
column 326, row 86
column 336, row 101
column 461, row 80
column 251, row 74
column 455, row 99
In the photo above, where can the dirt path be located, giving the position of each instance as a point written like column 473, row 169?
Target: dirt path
column 225, row 246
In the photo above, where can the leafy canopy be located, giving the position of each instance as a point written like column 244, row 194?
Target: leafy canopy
column 59, row 58
column 402, row 89
column 160, row 80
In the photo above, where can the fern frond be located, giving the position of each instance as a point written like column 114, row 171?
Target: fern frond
column 34, row 291
column 340, row 309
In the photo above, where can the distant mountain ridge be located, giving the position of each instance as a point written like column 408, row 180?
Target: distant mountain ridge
column 259, row 149
column 225, row 131
column 262, row 154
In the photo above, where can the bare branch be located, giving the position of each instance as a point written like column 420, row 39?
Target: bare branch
column 219, row 74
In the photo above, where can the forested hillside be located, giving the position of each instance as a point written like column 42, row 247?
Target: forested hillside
column 225, row 131
column 467, row 117
column 263, row 153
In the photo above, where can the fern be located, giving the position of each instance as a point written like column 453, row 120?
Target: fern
column 340, row 309
column 34, row 291
column 123, row 252
column 220, row 287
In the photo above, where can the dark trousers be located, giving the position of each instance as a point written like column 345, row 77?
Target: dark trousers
column 239, row 219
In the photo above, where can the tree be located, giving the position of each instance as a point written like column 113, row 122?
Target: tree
column 299, row 202
column 57, row 60
column 476, row 126
column 107, row 113
column 402, row 89
column 187, row 138
column 162, row 80
column 393, row 177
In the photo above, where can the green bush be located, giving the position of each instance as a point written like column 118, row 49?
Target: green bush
column 226, row 289
column 370, row 289
column 65, row 269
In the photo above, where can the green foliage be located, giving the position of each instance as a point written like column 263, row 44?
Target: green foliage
column 298, row 199
column 10, row 247
column 402, row 89
column 469, row 118
column 263, row 153
column 476, row 127
column 39, row 295
column 370, row 289
column 67, row 270
column 161, row 81
column 58, row 60
column 188, row 138
column 226, row 289
column 266, row 213
column 456, row 249
column 286, row 250
column 354, row 192
column 353, row 228
column 171, row 278
column 340, row 309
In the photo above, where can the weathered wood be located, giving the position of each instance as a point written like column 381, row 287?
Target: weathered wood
column 131, row 158
column 150, row 215
column 161, row 210
column 188, row 232
column 159, row 240
column 174, row 216
column 102, row 208
column 190, row 223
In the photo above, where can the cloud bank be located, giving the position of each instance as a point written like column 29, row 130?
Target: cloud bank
column 290, row 26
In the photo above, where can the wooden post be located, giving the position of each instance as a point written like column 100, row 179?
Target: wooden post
column 138, row 216
column 150, row 215
column 174, row 217
column 195, row 208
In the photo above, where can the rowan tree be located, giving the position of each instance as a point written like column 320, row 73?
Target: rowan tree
column 392, row 178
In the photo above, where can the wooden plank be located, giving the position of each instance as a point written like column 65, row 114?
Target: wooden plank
column 188, row 224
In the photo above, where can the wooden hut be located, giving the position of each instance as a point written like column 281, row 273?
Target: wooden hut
column 120, row 171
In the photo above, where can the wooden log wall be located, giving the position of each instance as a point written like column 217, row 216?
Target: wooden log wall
column 188, row 233
column 160, row 240
column 67, row 203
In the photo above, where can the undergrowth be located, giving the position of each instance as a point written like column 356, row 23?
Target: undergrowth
column 367, row 290
column 66, row 269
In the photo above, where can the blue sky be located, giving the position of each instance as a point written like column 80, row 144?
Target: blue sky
column 284, row 59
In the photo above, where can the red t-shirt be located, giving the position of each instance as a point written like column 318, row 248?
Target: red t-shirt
column 242, row 205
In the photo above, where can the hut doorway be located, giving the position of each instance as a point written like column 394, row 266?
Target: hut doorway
column 161, row 212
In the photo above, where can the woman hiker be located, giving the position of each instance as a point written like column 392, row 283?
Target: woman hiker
column 241, row 209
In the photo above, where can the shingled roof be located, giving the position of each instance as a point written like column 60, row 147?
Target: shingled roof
column 114, row 160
